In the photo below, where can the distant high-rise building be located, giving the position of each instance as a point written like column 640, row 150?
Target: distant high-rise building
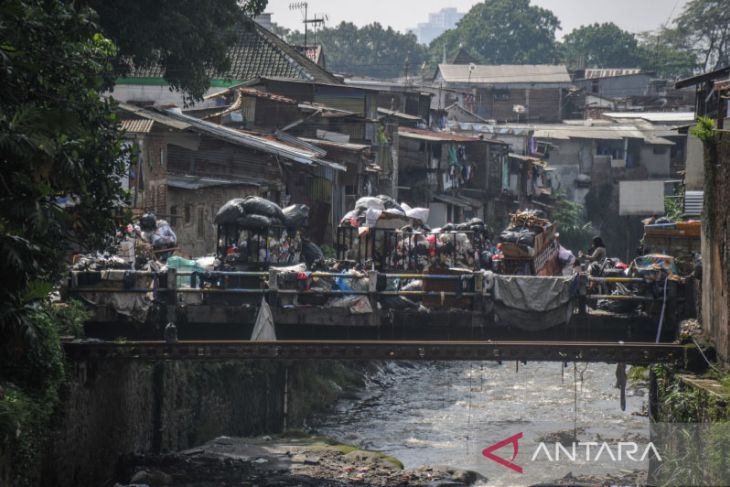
column 437, row 24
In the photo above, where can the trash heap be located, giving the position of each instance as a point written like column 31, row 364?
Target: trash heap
column 527, row 235
column 258, row 231
column 396, row 236
column 143, row 246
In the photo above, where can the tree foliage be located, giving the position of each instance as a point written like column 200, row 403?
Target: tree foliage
column 503, row 32
column 602, row 46
column 667, row 53
column 189, row 39
column 370, row 50
column 59, row 141
column 705, row 27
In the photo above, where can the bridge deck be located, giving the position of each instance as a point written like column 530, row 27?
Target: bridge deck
column 636, row 353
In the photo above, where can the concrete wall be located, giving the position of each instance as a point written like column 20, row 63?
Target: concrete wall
column 657, row 165
column 118, row 408
column 716, row 247
column 197, row 234
column 695, row 168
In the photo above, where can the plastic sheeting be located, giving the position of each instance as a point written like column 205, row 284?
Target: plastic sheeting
column 263, row 330
column 534, row 303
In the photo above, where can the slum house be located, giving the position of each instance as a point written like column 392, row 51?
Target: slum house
column 399, row 96
column 256, row 52
column 614, row 83
column 673, row 126
column 348, row 116
column 456, row 176
column 506, row 93
column 188, row 168
column 712, row 93
column 580, row 153
column 336, row 118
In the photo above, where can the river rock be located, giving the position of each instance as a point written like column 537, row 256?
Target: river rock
column 154, row 478
column 368, row 457
column 443, row 473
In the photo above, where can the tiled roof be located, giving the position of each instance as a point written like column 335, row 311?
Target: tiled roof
column 259, row 53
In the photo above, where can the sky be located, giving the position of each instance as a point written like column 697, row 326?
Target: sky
column 631, row 15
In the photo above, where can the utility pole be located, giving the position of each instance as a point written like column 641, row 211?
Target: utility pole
column 316, row 21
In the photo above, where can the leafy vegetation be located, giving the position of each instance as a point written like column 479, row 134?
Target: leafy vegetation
column 371, row 50
column 602, row 45
column 503, row 32
column 575, row 231
column 704, row 130
column 188, row 39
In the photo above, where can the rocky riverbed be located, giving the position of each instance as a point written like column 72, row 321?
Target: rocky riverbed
column 284, row 462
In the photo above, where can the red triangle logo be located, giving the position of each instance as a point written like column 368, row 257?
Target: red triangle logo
column 514, row 441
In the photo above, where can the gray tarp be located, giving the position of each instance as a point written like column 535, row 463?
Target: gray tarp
column 533, row 303
column 263, row 330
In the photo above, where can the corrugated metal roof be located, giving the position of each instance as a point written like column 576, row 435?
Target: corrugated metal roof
column 155, row 116
column 654, row 116
column 694, row 203
column 137, row 126
column 610, row 73
column 397, row 114
column 255, row 141
column 184, row 181
column 505, row 74
column 432, row 136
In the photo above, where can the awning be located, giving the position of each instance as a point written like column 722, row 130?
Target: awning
column 137, row 126
column 190, row 182
column 694, row 202
column 532, row 160
column 401, row 115
column 460, row 201
column 433, row 136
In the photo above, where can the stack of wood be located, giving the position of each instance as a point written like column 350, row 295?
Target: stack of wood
column 527, row 219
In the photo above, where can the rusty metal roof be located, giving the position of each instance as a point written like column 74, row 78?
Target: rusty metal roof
column 432, row 136
column 137, row 126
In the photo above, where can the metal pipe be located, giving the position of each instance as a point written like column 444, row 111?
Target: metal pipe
column 618, row 297
column 628, row 280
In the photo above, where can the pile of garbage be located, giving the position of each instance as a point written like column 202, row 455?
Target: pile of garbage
column 396, row 236
column 144, row 246
column 369, row 209
column 522, row 235
column 259, row 231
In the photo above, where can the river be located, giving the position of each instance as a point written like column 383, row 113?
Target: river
column 447, row 413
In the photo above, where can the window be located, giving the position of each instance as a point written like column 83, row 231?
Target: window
column 659, row 150
column 173, row 215
column 200, row 223
column 188, row 214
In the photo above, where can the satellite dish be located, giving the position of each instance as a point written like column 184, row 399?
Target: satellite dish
column 519, row 109
column 472, row 67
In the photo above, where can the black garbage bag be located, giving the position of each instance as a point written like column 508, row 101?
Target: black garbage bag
column 449, row 227
column 148, row 222
column 311, row 253
column 390, row 203
column 463, row 227
column 295, row 216
column 230, row 212
column 518, row 235
column 254, row 205
column 254, row 222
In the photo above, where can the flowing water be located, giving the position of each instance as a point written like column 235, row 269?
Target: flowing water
column 447, row 413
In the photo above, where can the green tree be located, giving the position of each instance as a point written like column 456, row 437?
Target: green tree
column 666, row 52
column 602, row 46
column 370, row 50
column 705, row 26
column 189, row 39
column 59, row 142
column 503, row 32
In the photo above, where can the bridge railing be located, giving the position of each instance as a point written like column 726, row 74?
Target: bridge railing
column 460, row 290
